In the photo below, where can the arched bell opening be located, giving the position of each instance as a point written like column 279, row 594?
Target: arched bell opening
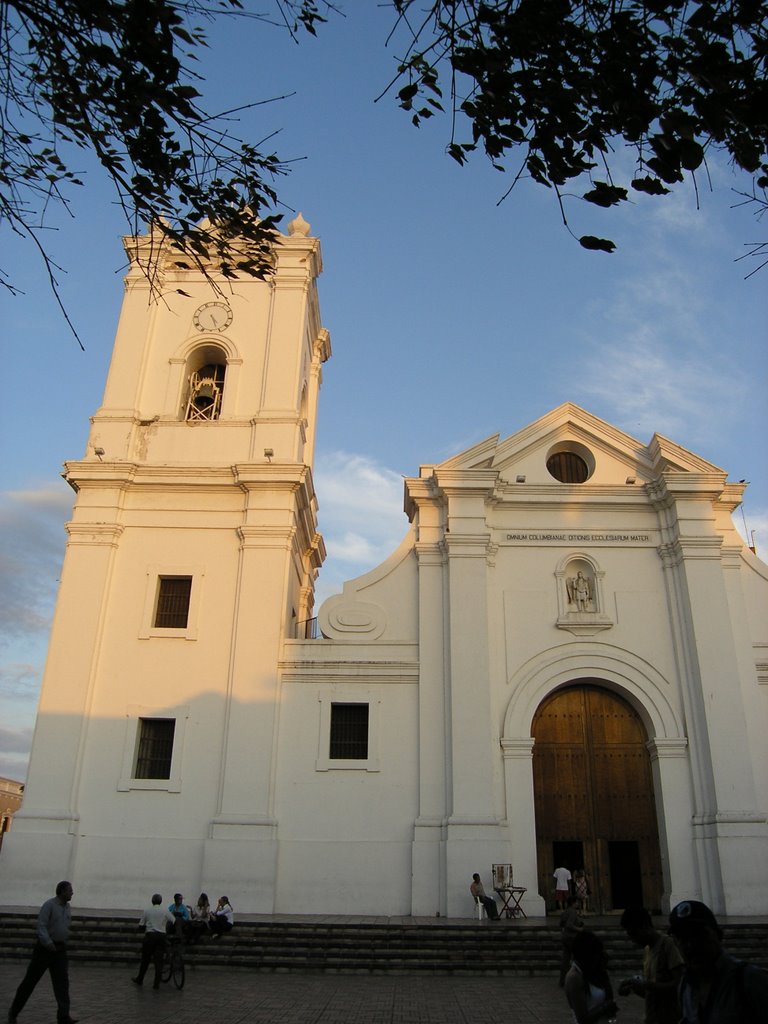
column 594, row 798
column 205, row 378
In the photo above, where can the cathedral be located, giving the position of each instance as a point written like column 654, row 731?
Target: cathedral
column 565, row 662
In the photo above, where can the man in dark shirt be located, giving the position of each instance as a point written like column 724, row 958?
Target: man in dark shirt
column 716, row 989
column 49, row 954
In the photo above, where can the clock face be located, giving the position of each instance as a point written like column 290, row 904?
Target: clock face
column 213, row 316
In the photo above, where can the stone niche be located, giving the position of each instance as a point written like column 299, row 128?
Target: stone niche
column 580, row 596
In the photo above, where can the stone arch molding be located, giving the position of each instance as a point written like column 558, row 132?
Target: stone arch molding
column 631, row 677
column 205, row 340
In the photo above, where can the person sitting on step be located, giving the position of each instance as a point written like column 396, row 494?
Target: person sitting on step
column 223, row 918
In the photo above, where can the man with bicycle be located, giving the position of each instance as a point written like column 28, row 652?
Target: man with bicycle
column 154, row 920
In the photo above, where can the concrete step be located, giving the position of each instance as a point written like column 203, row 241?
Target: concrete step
column 508, row 948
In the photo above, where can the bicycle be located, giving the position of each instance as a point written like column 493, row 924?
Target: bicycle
column 173, row 963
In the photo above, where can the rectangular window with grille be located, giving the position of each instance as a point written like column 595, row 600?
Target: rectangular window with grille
column 349, row 732
column 173, row 595
column 155, row 750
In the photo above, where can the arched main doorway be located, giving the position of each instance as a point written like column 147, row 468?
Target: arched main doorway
column 594, row 798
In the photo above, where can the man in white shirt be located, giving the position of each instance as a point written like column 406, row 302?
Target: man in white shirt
column 562, row 878
column 154, row 921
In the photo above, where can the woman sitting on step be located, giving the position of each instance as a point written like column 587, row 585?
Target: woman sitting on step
column 223, row 918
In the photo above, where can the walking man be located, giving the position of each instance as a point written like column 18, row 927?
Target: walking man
column 154, row 920
column 49, row 954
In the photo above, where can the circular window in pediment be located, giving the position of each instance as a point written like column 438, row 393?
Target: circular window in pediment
column 570, row 462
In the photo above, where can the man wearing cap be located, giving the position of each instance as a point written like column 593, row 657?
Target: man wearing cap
column 716, row 989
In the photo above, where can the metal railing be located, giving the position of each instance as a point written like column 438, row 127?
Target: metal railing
column 308, row 630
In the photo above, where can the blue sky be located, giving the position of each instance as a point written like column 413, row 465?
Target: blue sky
column 451, row 317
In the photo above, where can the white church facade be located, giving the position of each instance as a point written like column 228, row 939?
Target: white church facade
column 566, row 659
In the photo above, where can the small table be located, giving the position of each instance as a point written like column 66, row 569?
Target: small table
column 510, row 901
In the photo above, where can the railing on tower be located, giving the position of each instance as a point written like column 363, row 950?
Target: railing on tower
column 308, row 630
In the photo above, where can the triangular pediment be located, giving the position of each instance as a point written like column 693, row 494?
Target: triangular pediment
column 479, row 456
column 614, row 457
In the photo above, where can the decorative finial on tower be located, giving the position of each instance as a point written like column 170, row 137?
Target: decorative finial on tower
column 298, row 226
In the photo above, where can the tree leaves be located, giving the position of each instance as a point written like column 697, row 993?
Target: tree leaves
column 597, row 244
column 570, row 83
column 605, row 195
column 111, row 76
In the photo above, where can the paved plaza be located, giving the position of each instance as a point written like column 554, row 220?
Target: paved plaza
column 105, row 995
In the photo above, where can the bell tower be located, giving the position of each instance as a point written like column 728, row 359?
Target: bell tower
column 192, row 555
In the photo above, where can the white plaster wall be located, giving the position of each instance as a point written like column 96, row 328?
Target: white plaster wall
column 345, row 834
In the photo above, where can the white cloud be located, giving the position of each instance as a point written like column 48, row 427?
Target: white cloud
column 33, row 545
column 650, row 387
column 15, row 745
column 15, row 741
column 361, row 516
column 355, row 491
column 19, row 681
column 659, row 358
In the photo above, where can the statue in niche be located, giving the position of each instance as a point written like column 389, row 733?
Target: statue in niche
column 580, row 591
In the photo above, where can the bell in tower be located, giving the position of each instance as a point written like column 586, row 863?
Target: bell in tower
column 205, row 391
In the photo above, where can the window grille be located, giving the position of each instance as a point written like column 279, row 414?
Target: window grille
column 173, row 602
column 349, row 732
column 153, row 760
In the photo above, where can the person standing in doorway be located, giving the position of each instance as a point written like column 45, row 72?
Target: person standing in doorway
column 562, row 878
column 581, row 889
column 155, row 921
column 49, row 954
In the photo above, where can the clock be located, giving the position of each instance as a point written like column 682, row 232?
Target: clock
column 213, row 316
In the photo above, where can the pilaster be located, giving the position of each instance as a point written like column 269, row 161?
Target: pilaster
column 521, row 815
column 428, row 874
column 724, row 797
column 672, row 787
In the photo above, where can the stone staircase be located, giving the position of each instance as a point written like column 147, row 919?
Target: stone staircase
column 401, row 946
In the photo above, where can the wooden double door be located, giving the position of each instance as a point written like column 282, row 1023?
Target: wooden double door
column 595, row 807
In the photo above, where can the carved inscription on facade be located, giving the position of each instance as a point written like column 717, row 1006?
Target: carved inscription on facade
column 539, row 537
